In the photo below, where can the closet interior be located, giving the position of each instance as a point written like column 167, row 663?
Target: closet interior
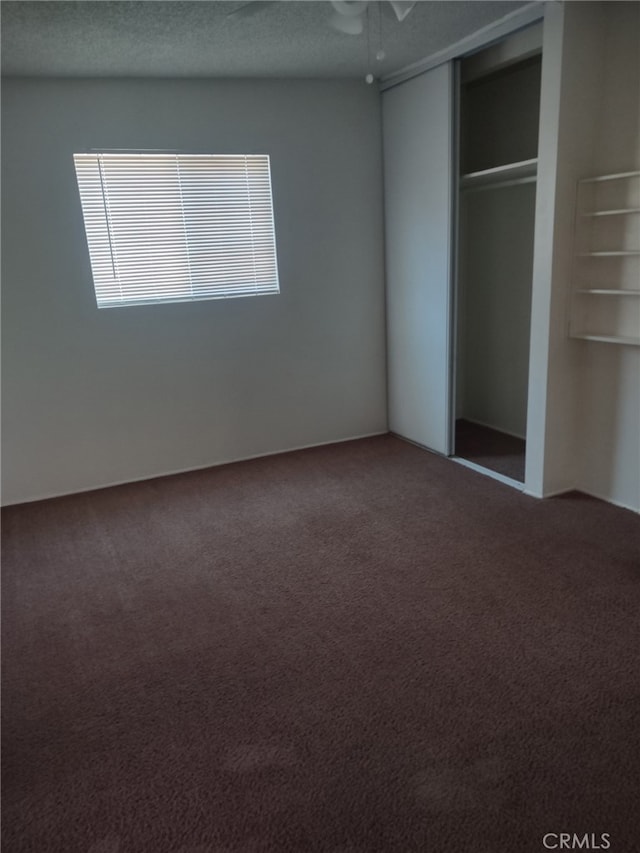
column 499, row 106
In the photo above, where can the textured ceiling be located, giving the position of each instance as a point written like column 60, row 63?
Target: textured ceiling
column 201, row 39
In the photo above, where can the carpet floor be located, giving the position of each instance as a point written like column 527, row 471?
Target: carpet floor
column 355, row 648
column 490, row 448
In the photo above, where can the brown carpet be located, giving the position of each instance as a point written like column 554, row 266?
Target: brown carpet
column 490, row 448
column 362, row 647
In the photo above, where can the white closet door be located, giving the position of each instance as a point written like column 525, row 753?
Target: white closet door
column 418, row 145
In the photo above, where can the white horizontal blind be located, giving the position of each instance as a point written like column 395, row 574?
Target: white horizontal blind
column 177, row 227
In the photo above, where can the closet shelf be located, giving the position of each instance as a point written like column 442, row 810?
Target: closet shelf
column 607, row 291
column 622, row 212
column 524, row 170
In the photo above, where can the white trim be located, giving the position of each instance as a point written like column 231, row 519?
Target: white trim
column 176, row 471
column 481, row 38
column 480, row 469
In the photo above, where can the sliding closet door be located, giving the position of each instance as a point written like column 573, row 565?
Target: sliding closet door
column 418, row 141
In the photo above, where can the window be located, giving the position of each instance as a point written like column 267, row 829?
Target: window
column 177, row 227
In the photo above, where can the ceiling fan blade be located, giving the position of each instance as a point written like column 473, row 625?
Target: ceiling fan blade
column 350, row 8
column 401, row 8
column 247, row 10
column 348, row 16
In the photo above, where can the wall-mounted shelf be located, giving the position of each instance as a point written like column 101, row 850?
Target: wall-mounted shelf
column 617, row 177
column 607, row 291
column 623, row 212
column 606, row 268
column 511, row 173
column 609, row 254
column 609, row 339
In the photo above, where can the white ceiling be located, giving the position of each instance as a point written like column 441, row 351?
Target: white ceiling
column 200, row 39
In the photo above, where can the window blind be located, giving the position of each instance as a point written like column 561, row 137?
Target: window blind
column 177, row 227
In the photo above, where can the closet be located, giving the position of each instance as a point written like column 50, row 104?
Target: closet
column 508, row 322
column 460, row 149
column 499, row 106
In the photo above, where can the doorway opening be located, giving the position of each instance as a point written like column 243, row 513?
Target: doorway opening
column 499, row 103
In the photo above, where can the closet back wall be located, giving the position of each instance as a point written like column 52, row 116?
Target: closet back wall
column 496, row 258
column 93, row 397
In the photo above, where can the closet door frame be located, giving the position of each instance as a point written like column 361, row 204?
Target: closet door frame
column 458, row 340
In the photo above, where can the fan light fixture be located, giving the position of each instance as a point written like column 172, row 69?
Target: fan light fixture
column 349, row 15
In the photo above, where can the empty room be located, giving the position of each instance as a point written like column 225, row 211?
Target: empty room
column 320, row 426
